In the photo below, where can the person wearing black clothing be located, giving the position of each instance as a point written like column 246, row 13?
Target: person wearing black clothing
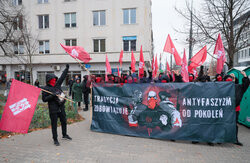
column 56, row 104
column 71, row 82
column 86, row 91
column 240, row 89
column 37, row 83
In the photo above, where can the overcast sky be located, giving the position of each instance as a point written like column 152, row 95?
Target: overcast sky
column 166, row 19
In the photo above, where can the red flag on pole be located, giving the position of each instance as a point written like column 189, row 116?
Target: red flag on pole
column 220, row 52
column 107, row 69
column 170, row 48
column 141, row 65
column 184, row 68
column 77, row 52
column 121, row 57
column 132, row 62
column 20, row 107
column 155, row 67
column 199, row 58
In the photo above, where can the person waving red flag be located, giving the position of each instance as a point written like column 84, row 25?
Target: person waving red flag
column 77, row 52
column 170, row 48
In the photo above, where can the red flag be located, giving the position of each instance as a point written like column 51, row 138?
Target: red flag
column 170, row 48
column 155, row 67
column 118, row 71
column 184, row 68
column 132, row 62
column 199, row 58
column 141, row 65
column 77, row 52
column 168, row 68
column 107, row 69
column 20, row 107
column 220, row 52
column 121, row 57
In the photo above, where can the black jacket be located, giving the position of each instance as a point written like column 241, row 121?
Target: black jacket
column 54, row 105
column 86, row 85
column 240, row 89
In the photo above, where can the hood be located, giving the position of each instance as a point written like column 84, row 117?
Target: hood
column 49, row 77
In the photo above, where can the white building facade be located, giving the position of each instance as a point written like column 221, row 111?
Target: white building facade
column 100, row 26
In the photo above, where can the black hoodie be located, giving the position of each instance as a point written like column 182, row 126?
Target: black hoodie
column 54, row 105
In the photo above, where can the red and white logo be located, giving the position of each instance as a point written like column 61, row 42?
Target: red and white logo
column 74, row 53
column 20, row 106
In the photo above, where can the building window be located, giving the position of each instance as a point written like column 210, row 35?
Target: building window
column 69, row 0
column 42, row 1
column 18, row 23
column 18, row 48
column 70, row 42
column 70, row 20
column 43, row 21
column 99, row 45
column 17, row 2
column 129, row 43
column 41, row 76
column 99, row 18
column 129, row 16
column 44, row 47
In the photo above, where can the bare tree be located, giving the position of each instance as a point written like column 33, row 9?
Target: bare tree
column 220, row 16
column 15, row 31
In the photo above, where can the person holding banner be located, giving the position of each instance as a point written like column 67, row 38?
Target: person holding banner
column 56, row 105
column 240, row 89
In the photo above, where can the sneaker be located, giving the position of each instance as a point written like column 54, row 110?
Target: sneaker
column 67, row 137
column 56, row 142
column 238, row 143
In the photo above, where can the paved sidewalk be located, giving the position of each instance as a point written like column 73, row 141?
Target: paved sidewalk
column 88, row 146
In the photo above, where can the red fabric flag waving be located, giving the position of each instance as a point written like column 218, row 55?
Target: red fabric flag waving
column 141, row 65
column 20, row 107
column 153, row 64
column 121, row 57
column 184, row 68
column 170, row 48
column 107, row 69
column 199, row 58
column 132, row 62
column 77, row 52
column 220, row 52
column 155, row 67
column 118, row 71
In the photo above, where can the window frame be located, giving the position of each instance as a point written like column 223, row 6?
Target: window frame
column 71, row 42
column 17, row 2
column 44, row 47
column 99, row 17
column 18, row 47
column 42, row 1
column 129, row 41
column 70, row 20
column 99, row 45
column 43, row 21
column 129, row 16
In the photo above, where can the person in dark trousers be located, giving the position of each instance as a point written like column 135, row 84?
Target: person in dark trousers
column 240, row 89
column 37, row 83
column 71, row 82
column 56, row 105
column 86, row 90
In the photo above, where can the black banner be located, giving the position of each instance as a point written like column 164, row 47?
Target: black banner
column 203, row 112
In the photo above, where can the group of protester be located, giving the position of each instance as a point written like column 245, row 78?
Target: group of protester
column 80, row 89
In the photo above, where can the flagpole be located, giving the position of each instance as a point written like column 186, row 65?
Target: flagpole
column 56, row 95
